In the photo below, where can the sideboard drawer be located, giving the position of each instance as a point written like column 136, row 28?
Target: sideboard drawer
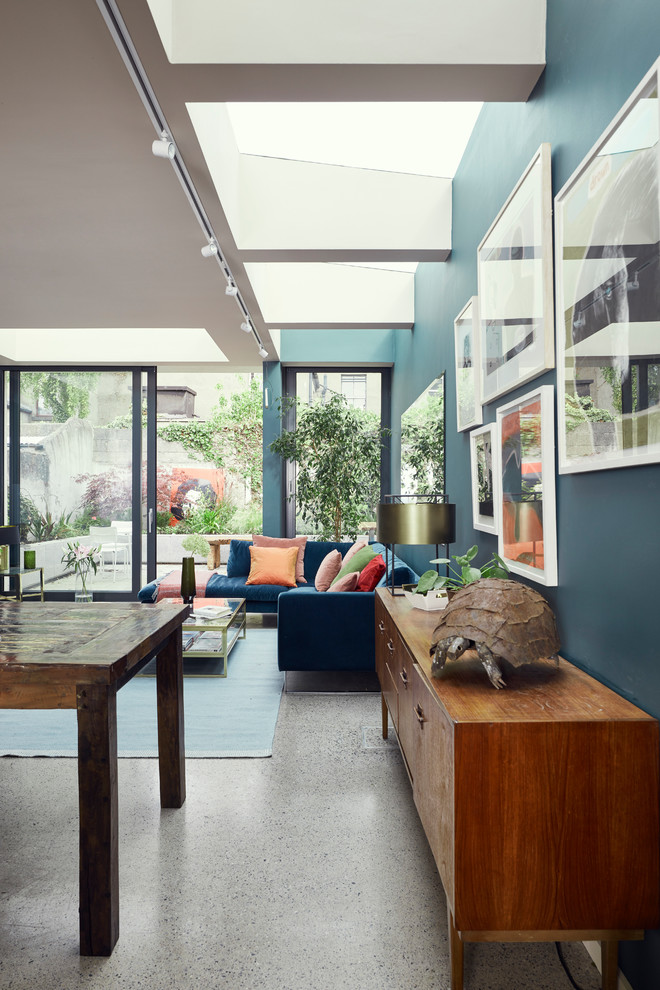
column 433, row 790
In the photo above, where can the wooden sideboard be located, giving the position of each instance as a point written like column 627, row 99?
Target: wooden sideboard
column 540, row 802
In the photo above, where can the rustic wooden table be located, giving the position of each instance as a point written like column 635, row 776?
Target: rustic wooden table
column 66, row 655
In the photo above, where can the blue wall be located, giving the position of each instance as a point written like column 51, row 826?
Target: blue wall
column 608, row 522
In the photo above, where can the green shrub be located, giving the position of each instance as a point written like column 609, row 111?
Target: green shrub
column 248, row 520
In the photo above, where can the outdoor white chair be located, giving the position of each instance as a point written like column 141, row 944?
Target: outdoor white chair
column 124, row 534
column 112, row 552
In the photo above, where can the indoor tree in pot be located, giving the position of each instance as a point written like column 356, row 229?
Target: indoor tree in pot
column 337, row 450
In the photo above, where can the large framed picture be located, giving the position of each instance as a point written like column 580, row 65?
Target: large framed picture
column 468, row 366
column 514, row 261
column 527, row 536
column 484, row 465
column 608, row 294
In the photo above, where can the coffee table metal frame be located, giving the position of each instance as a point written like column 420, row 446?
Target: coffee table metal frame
column 231, row 626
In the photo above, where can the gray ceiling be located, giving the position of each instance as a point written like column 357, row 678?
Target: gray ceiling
column 96, row 232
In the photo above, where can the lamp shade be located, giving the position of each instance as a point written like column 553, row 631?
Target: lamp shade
column 416, row 523
column 10, row 536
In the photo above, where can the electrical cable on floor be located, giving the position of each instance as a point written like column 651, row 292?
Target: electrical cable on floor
column 565, row 966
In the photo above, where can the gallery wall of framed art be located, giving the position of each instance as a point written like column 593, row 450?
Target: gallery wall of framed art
column 514, row 263
column 484, row 468
column 525, row 486
column 607, row 273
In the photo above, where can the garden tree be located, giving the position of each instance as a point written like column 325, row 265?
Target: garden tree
column 337, row 450
column 231, row 436
column 109, row 495
column 423, row 444
column 65, row 393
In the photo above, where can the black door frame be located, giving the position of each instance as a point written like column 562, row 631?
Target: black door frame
column 289, row 422
column 10, row 480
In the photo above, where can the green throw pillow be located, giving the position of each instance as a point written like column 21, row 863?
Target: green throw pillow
column 356, row 563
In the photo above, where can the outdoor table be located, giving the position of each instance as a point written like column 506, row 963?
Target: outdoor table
column 66, row 655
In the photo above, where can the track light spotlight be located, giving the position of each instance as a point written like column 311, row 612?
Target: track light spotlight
column 247, row 327
column 209, row 250
column 231, row 290
column 263, row 352
column 163, row 147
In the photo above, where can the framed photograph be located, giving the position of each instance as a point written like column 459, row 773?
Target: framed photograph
column 484, row 465
column 527, row 536
column 514, row 261
column 608, row 295
column 468, row 366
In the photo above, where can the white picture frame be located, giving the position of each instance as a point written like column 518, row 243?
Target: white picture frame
column 607, row 226
column 527, row 536
column 516, row 305
column 467, row 364
column 484, row 469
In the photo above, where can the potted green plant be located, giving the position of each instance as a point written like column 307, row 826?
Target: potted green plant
column 432, row 590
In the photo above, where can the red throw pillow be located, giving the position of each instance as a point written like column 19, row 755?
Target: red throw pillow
column 371, row 574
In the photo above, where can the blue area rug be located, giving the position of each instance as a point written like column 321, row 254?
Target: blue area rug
column 224, row 717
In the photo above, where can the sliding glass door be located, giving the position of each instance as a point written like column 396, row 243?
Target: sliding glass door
column 81, row 473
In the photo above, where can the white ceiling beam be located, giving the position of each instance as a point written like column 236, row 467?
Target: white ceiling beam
column 370, row 32
column 283, row 210
column 332, row 296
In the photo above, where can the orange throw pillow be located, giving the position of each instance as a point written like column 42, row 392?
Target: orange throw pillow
column 273, row 565
column 279, row 541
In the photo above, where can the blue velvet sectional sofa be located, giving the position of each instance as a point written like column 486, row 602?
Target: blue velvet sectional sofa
column 316, row 630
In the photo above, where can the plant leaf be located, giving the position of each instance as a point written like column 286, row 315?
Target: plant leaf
column 426, row 582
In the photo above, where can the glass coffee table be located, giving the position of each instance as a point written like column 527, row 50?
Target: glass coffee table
column 212, row 637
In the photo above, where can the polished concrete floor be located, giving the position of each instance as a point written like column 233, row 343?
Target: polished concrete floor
column 305, row 871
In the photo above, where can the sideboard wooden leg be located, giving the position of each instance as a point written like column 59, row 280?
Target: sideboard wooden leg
column 383, row 708
column 455, row 954
column 610, row 964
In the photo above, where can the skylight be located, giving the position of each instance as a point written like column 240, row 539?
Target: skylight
column 418, row 138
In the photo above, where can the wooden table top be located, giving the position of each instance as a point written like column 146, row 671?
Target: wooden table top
column 97, row 642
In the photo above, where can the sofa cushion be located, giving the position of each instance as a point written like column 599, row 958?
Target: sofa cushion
column 315, row 552
column 328, row 571
column 371, row 574
column 348, row 582
column 276, row 541
column 354, row 548
column 238, row 561
column 273, row 565
column 221, row 586
column 356, row 562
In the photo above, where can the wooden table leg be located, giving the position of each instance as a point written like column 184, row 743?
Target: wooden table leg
column 610, row 964
column 97, row 795
column 171, row 744
column 455, row 954
column 384, row 715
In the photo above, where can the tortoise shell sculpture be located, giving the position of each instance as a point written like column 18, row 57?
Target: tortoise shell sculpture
column 500, row 619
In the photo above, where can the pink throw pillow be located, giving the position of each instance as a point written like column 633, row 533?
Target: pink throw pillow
column 278, row 541
column 328, row 570
column 353, row 550
column 348, row 582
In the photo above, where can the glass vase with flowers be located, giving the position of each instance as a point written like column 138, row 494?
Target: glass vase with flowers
column 85, row 561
